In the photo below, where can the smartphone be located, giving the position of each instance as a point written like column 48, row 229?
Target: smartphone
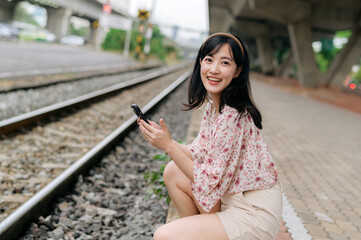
column 138, row 112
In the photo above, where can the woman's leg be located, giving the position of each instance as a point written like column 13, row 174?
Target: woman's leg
column 192, row 225
column 179, row 189
column 176, row 182
column 201, row 226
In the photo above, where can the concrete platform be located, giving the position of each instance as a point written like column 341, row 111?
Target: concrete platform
column 26, row 65
column 29, row 56
column 316, row 144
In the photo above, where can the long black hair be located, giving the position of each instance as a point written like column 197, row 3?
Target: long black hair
column 238, row 93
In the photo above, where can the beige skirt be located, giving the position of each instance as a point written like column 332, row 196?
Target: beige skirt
column 253, row 214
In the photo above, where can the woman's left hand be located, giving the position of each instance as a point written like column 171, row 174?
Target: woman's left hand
column 157, row 136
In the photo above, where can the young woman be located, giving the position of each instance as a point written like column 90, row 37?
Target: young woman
column 224, row 184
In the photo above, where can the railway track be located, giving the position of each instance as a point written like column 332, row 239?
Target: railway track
column 46, row 77
column 38, row 163
column 21, row 120
column 15, row 103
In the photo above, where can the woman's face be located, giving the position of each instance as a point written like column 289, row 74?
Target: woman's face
column 217, row 71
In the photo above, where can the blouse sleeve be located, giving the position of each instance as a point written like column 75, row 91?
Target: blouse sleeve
column 194, row 146
column 215, row 156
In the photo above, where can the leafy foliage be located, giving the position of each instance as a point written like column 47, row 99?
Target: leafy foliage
column 156, row 44
column 326, row 55
column 22, row 15
column 115, row 40
column 328, row 51
column 155, row 179
column 81, row 31
column 281, row 54
column 344, row 34
column 356, row 77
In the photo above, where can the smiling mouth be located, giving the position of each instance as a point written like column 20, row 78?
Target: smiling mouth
column 214, row 79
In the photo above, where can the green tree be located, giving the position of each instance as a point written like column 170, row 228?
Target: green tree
column 326, row 55
column 22, row 15
column 82, row 31
column 115, row 40
column 344, row 34
column 156, row 44
column 356, row 77
column 280, row 54
column 328, row 51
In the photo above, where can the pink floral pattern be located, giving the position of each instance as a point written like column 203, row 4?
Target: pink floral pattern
column 230, row 156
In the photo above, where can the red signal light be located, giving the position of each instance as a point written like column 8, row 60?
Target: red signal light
column 352, row 86
column 107, row 8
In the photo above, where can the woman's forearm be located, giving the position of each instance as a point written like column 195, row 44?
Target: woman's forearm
column 159, row 137
column 182, row 158
column 184, row 149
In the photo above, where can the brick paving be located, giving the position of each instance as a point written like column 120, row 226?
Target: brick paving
column 314, row 136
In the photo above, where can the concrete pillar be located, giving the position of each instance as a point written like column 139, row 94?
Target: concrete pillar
column 7, row 10
column 286, row 67
column 265, row 53
column 127, row 43
column 58, row 21
column 341, row 65
column 93, row 32
column 252, row 53
column 301, row 42
column 263, row 49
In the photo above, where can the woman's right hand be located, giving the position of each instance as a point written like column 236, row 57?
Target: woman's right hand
column 157, row 135
column 153, row 124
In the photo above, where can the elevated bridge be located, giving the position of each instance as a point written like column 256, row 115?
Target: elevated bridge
column 269, row 25
column 266, row 26
column 60, row 11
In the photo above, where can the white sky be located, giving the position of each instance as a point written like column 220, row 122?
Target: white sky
column 191, row 14
column 187, row 14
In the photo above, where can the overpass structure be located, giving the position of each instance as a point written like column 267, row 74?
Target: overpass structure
column 269, row 25
column 60, row 11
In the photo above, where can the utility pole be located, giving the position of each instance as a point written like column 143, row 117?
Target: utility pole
column 143, row 16
column 149, row 31
column 103, row 24
column 128, row 37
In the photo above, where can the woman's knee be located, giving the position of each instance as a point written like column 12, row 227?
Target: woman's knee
column 170, row 173
column 161, row 234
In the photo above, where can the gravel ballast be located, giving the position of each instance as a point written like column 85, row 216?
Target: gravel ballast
column 23, row 101
column 110, row 202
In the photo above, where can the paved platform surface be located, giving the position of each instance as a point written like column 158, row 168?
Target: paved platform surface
column 26, row 65
column 315, row 138
column 317, row 145
column 26, row 57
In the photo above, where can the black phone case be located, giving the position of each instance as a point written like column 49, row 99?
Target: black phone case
column 138, row 112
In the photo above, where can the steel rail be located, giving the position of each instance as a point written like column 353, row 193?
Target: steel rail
column 15, row 123
column 16, row 222
column 30, row 79
column 37, row 72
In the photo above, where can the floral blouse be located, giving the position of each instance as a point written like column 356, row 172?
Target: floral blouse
column 230, row 156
